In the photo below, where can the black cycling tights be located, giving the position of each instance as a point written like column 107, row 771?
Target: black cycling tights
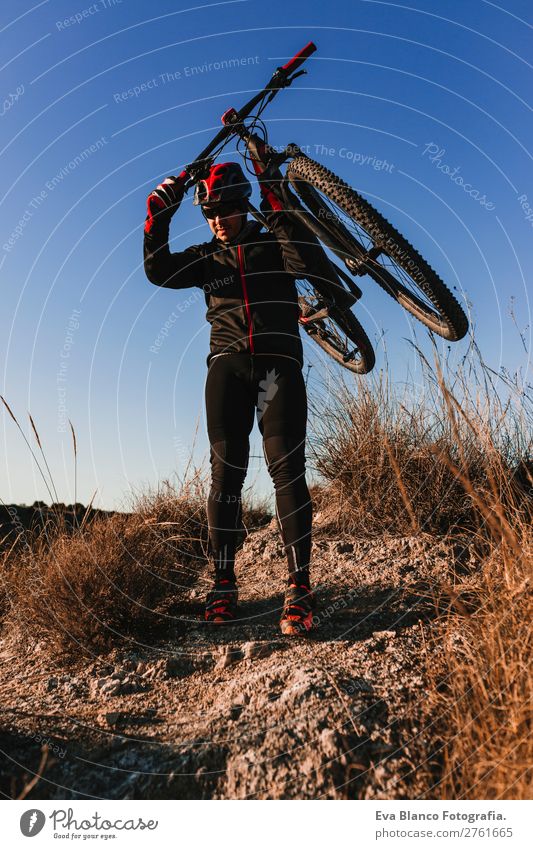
column 237, row 387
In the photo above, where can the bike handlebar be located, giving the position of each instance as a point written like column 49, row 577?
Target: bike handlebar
column 277, row 82
column 300, row 57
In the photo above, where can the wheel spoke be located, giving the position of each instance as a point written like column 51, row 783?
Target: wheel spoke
column 405, row 279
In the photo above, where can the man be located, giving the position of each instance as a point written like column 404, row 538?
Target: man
column 255, row 364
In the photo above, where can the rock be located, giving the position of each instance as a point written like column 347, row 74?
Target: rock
column 229, row 657
column 118, row 686
column 382, row 641
column 273, row 550
column 173, row 667
column 264, row 728
column 122, row 718
column 330, row 742
column 111, row 688
column 253, row 650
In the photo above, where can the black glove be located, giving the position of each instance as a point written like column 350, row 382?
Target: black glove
column 165, row 199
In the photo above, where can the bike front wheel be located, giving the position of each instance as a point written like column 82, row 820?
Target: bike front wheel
column 369, row 244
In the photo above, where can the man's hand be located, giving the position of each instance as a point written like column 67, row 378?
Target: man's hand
column 271, row 193
column 165, row 199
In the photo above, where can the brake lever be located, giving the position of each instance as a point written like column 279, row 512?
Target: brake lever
column 281, row 80
column 295, row 76
column 196, row 171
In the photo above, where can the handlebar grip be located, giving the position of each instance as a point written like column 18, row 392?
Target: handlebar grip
column 300, row 57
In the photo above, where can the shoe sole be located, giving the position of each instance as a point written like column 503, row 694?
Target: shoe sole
column 219, row 620
column 294, row 629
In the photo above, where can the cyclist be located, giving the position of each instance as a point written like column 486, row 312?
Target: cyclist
column 254, row 365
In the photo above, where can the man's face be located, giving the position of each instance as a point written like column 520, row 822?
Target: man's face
column 225, row 220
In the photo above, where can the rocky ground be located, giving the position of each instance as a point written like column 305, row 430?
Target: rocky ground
column 239, row 711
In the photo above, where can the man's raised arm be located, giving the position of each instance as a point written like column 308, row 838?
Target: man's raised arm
column 163, row 268
column 303, row 255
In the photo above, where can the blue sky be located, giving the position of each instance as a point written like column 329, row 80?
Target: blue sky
column 100, row 101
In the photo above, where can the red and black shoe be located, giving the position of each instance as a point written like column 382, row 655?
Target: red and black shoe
column 221, row 602
column 297, row 616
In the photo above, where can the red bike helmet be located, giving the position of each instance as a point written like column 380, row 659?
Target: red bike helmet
column 225, row 183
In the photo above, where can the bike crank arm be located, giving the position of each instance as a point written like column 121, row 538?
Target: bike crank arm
column 320, row 315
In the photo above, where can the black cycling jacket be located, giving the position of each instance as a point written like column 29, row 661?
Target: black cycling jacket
column 249, row 284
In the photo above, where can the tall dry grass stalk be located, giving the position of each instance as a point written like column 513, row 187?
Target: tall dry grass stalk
column 47, row 483
column 75, row 452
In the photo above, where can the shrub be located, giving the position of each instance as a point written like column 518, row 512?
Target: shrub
column 120, row 578
column 398, row 463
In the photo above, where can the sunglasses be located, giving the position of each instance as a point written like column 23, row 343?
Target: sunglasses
column 223, row 210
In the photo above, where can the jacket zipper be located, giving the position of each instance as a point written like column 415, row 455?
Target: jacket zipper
column 245, row 294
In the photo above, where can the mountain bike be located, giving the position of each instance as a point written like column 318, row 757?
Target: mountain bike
column 345, row 222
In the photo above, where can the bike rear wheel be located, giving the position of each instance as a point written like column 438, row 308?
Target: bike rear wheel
column 369, row 244
column 337, row 331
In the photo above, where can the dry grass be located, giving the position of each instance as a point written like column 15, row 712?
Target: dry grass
column 453, row 458
column 396, row 463
column 117, row 579
column 484, row 703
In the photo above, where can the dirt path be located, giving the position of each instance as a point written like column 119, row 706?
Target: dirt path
column 241, row 712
